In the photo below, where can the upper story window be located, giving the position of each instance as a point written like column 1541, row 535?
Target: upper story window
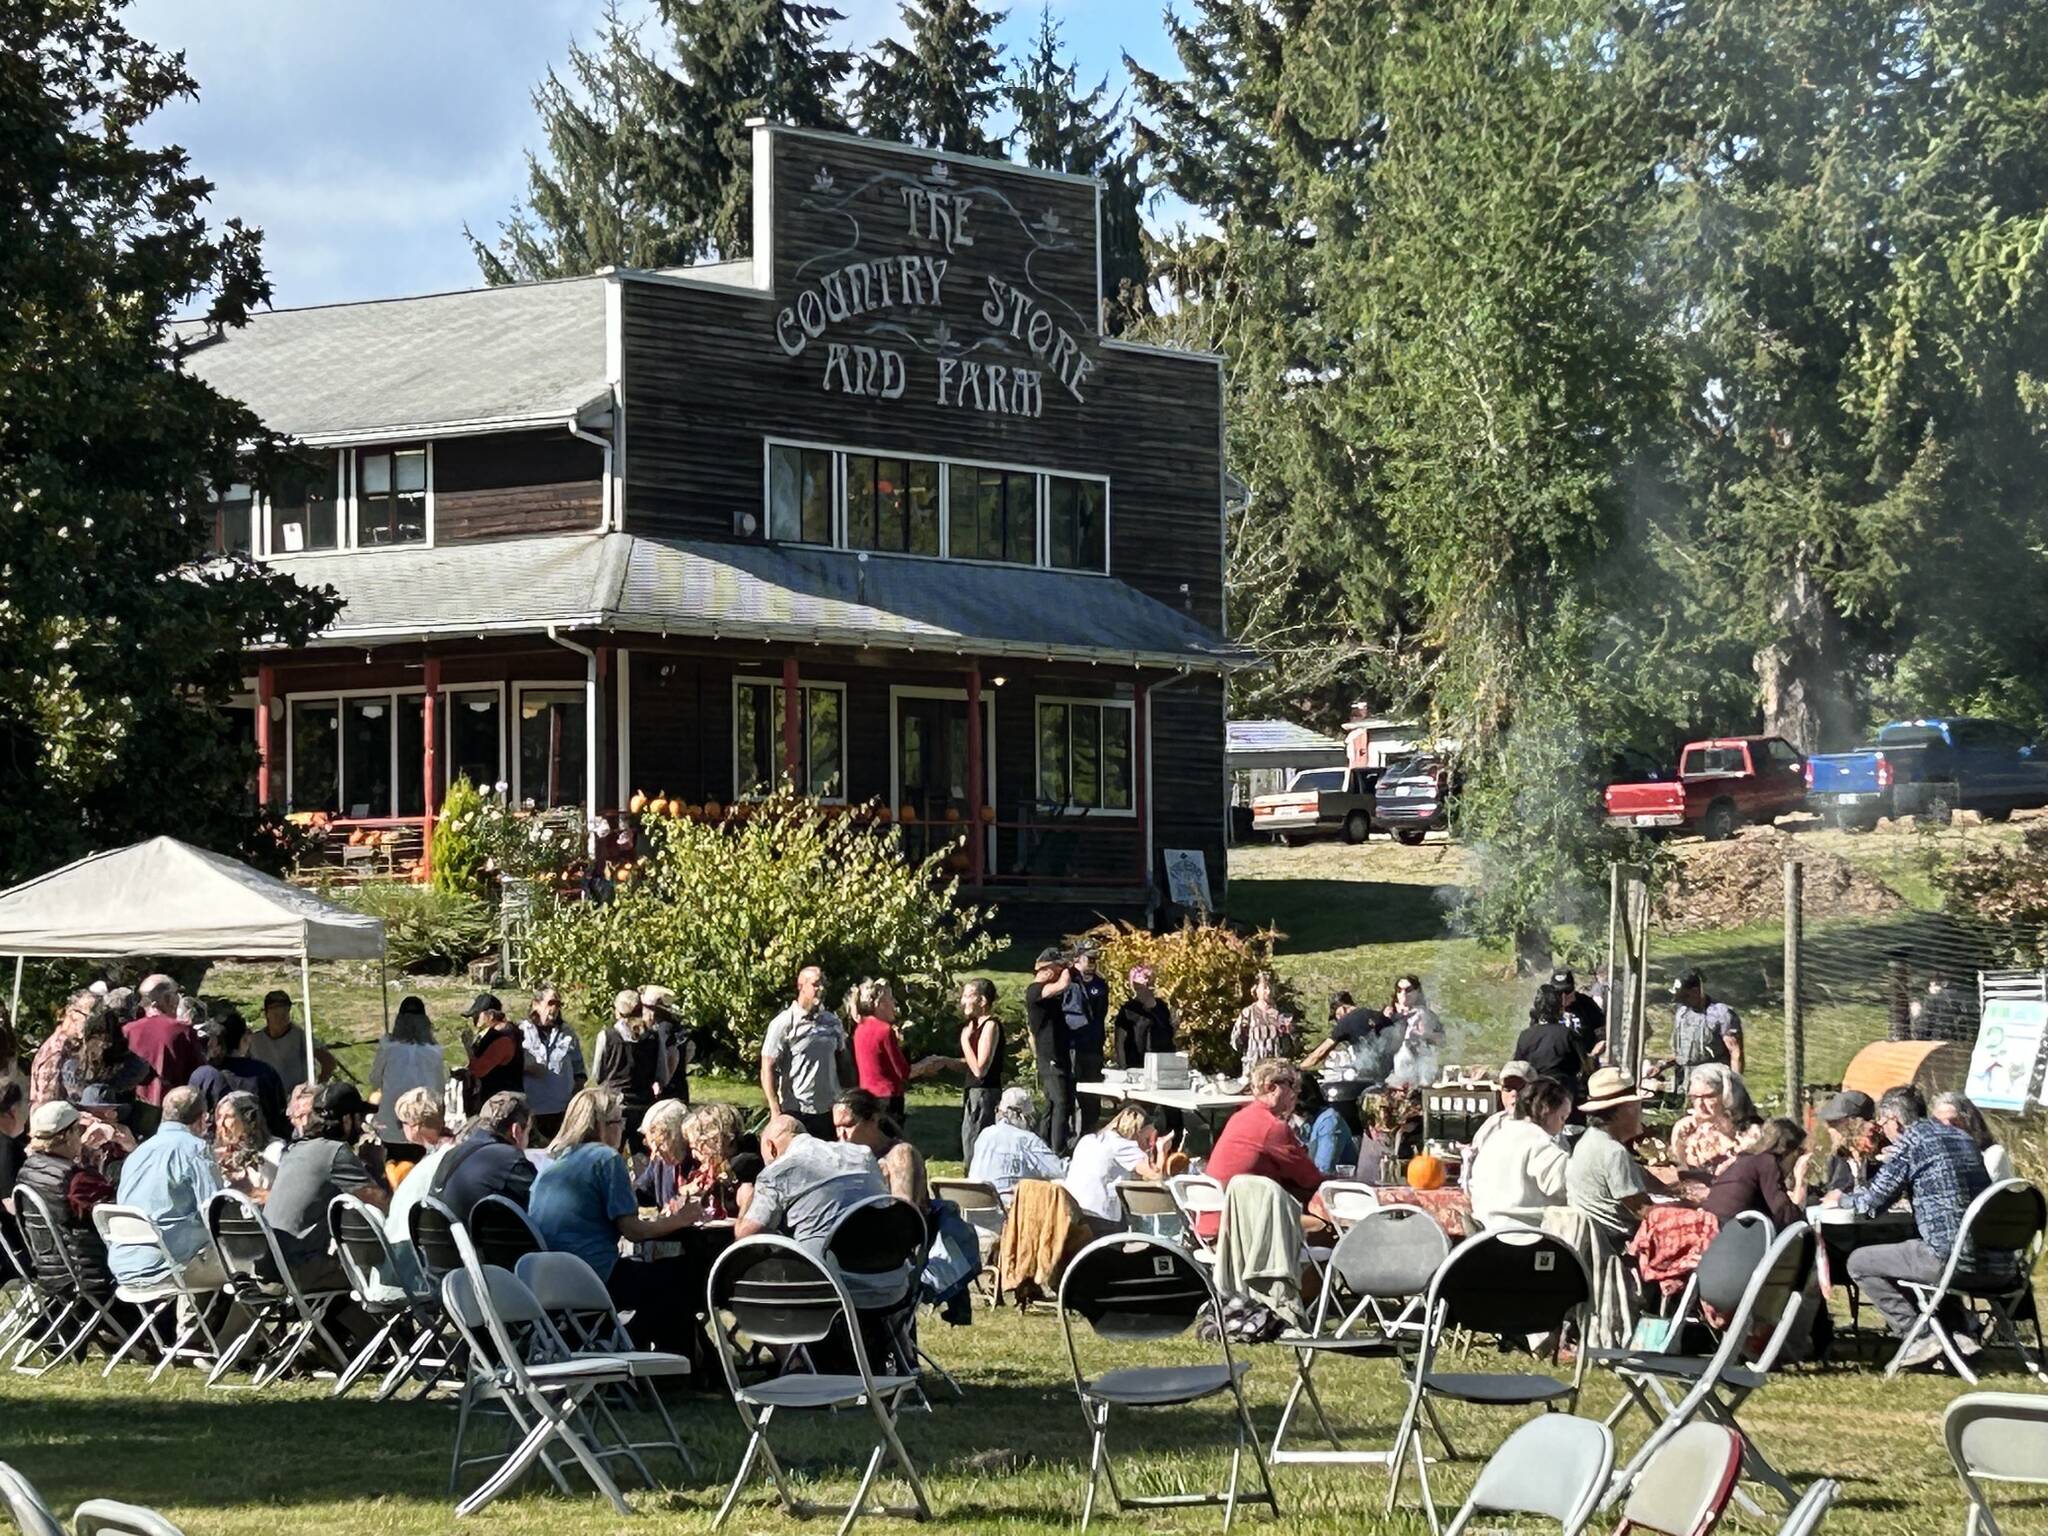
column 391, row 496
column 234, row 526
column 304, row 509
column 946, row 509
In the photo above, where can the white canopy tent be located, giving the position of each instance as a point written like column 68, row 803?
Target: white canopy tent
column 164, row 897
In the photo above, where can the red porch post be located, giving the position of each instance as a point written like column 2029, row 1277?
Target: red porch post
column 977, row 838
column 792, row 752
column 1141, row 748
column 430, row 707
column 265, row 692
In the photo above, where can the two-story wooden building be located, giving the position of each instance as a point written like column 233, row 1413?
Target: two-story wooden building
column 881, row 510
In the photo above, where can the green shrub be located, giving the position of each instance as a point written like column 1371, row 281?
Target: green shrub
column 2007, row 889
column 425, row 928
column 458, row 852
column 1205, row 970
column 727, row 914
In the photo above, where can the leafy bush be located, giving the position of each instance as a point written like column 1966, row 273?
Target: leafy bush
column 425, row 928
column 458, row 853
column 1205, row 970
column 2005, row 887
column 727, row 913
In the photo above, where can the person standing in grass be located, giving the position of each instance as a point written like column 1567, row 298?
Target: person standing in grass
column 407, row 1058
column 879, row 1062
column 1046, row 1016
column 554, row 1063
column 281, row 1045
column 981, row 1054
column 805, row 1057
column 1262, row 1032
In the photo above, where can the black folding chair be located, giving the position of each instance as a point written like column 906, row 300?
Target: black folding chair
column 82, row 1303
column 882, row 1241
column 777, row 1294
column 283, row 1320
column 500, row 1233
column 430, row 1228
column 2009, row 1217
column 1513, row 1283
column 408, row 1326
column 1141, row 1289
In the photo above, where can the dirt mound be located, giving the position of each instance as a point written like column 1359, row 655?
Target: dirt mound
column 1741, row 881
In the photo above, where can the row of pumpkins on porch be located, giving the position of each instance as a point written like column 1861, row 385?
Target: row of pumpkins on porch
column 681, row 810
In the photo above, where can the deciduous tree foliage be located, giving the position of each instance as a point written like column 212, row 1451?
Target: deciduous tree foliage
column 120, row 642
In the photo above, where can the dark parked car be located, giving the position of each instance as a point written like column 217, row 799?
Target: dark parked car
column 1413, row 796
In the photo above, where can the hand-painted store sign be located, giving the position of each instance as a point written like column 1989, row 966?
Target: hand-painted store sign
column 878, row 325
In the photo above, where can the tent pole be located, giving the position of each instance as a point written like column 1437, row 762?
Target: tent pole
column 384, row 985
column 306, row 1008
column 14, row 1008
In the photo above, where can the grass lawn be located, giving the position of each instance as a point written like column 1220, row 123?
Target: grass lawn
column 1011, row 1457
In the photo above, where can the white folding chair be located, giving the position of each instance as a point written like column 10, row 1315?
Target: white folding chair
column 981, row 1207
column 80, row 1312
column 1554, row 1466
column 126, row 1226
column 1511, row 1282
column 583, row 1313
column 1385, row 1260
column 1133, row 1289
column 30, row 1305
column 777, row 1294
column 1348, row 1202
column 111, row 1516
column 32, row 1515
column 284, row 1321
column 2011, row 1216
column 1682, row 1490
column 1763, row 1301
column 1198, row 1196
column 1812, row 1508
column 1996, row 1437
column 543, row 1399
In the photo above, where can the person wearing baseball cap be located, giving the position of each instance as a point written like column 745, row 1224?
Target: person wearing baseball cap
column 69, row 1189
column 628, row 1061
column 1512, row 1077
column 281, row 1045
column 497, row 1058
column 664, row 1021
column 322, row 1163
column 1702, row 1028
column 1588, row 1020
column 1045, row 1015
column 1603, row 1179
column 1850, row 1119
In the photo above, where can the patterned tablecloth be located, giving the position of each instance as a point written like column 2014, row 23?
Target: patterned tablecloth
column 1452, row 1208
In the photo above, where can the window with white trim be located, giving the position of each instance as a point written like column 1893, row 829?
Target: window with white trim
column 362, row 754
column 304, row 508
column 234, row 527
column 1084, row 754
column 757, row 738
column 391, row 496
column 552, row 746
column 938, row 508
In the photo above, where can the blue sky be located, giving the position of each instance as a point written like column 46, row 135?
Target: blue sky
column 360, row 135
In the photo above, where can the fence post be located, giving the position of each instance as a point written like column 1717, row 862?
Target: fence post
column 1795, row 1011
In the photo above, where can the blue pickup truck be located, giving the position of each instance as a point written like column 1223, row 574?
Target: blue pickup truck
column 1930, row 769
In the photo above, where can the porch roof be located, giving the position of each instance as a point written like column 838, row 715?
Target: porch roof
column 719, row 590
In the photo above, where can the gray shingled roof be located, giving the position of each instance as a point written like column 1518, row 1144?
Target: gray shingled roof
column 520, row 355
column 756, row 591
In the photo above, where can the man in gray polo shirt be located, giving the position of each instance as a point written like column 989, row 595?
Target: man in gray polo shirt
column 805, row 1191
column 805, row 1057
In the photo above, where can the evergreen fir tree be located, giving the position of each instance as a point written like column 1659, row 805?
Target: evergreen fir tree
column 591, row 203
column 735, row 60
column 1061, row 129
column 940, row 89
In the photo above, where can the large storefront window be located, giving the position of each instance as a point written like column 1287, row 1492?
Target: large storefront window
column 757, row 738
column 994, row 515
column 892, row 505
column 366, row 756
column 1084, row 754
column 551, row 747
column 391, row 496
column 468, row 739
column 1077, row 528
column 316, row 756
column 363, row 755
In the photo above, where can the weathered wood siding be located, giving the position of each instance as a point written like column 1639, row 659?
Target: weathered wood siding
column 511, row 484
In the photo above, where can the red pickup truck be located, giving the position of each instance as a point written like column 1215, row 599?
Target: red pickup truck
column 1721, row 784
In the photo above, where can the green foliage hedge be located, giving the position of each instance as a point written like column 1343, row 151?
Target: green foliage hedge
column 425, row 928
column 1205, row 970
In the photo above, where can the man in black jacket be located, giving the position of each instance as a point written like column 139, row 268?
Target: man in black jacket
column 1046, row 1015
column 489, row 1159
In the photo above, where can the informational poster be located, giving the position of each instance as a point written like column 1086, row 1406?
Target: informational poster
column 2005, row 1066
column 1187, row 879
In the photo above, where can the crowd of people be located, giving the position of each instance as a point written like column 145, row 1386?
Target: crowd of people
column 139, row 1098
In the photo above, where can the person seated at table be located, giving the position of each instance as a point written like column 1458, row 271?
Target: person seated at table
column 1512, row 1077
column 1128, row 1147
column 1956, row 1109
column 326, row 1161
column 1010, row 1151
column 1256, row 1140
column 489, row 1158
column 422, row 1119
column 1850, row 1120
column 244, row 1146
column 56, row 1169
column 1941, row 1171
column 1720, row 1115
column 857, row 1117
column 668, row 1154
column 1603, row 1178
column 1520, row 1168
column 1329, row 1124
column 805, row 1190
column 712, row 1137
column 1767, row 1174
column 583, row 1203
column 229, row 1068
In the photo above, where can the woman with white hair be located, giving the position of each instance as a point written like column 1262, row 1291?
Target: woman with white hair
column 1960, row 1111
column 1719, row 1116
column 1011, row 1150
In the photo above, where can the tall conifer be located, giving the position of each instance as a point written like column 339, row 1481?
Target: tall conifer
column 939, row 89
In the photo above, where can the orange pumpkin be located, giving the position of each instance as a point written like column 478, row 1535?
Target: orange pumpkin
column 907, row 815
column 355, row 838
column 988, row 815
column 882, row 813
column 713, row 810
column 952, row 813
column 637, row 804
column 658, row 806
column 1425, row 1171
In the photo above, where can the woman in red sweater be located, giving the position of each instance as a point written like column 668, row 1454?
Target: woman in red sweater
column 878, row 1057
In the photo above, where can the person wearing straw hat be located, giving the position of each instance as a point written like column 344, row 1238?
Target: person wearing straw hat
column 1603, row 1179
